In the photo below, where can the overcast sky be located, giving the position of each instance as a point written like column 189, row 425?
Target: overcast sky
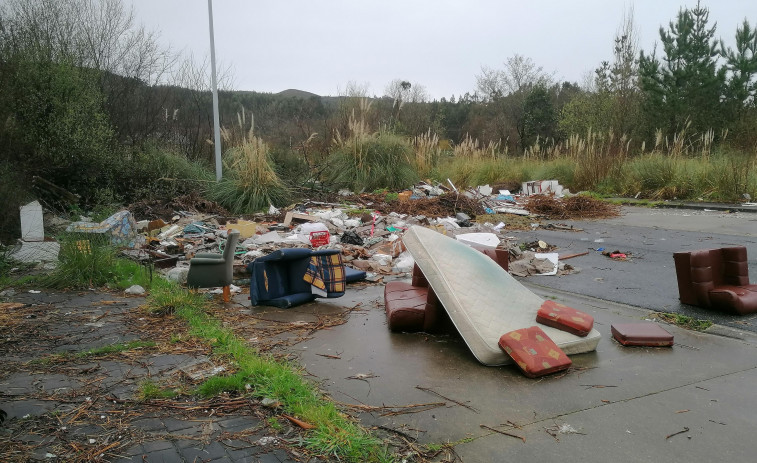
column 319, row 46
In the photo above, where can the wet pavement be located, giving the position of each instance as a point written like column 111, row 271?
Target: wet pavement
column 691, row 402
column 63, row 406
column 647, row 278
column 618, row 402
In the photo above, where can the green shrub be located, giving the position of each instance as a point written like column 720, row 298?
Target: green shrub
column 85, row 261
column 372, row 161
column 250, row 182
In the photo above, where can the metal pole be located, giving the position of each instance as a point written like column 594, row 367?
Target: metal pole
column 216, row 118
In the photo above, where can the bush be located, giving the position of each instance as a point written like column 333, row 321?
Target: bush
column 250, row 182
column 85, row 261
column 369, row 162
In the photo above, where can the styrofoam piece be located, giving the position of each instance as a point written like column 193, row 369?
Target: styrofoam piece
column 481, row 298
column 270, row 237
column 487, row 240
column 485, row 190
column 382, row 259
column 550, row 256
column 32, row 224
column 404, row 263
column 36, row 251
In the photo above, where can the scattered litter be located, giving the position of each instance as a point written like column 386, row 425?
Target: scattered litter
column 267, row 440
column 136, row 290
column 34, row 291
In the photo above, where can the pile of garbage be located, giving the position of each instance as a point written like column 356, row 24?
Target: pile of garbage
column 368, row 232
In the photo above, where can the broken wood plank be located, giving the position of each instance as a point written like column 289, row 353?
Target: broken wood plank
column 570, row 256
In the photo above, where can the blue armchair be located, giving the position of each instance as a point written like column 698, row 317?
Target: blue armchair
column 285, row 278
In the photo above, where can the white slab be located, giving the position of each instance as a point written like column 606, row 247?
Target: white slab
column 482, row 299
column 32, row 225
column 36, row 251
column 487, row 240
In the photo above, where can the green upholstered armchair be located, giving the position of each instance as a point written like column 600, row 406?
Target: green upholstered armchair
column 210, row 270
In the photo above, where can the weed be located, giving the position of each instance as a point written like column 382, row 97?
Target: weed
column 274, row 424
column 392, row 197
column 115, row 348
column 683, row 321
column 85, row 261
column 149, row 390
column 96, row 352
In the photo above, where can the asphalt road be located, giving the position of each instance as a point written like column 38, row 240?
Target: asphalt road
column 647, row 278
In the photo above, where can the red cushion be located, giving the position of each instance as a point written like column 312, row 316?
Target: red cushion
column 565, row 318
column 641, row 334
column 741, row 300
column 534, row 352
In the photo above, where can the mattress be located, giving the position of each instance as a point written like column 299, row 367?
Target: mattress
column 482, row 299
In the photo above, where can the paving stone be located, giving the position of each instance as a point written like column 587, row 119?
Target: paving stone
column 156, row 445
column 209, row 452
column 20, row 408
column 149, row 424
column 174, row 424
column 163, row 456
column 270, row 458
column 237, row 424
column 281, row 455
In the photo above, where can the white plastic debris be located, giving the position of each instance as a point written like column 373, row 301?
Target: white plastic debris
column 270, row 237
column 404, row 263
column 382, row 259
column 487, row 240
column 550, row 256
column 485, row 190
column 135, row 290
column 273, row 210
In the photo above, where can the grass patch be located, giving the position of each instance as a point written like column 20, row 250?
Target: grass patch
column 683, row 321
column 335, row 435
column 96, row 352
column 148, row 390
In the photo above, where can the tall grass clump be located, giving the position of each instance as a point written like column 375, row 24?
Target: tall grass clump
column 427, row 152
column 470, row 148
column 84, row 261
column 250, row 182
column 158, row 173
column 366, row 160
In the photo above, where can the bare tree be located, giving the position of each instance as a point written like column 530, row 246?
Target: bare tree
column 519, row 73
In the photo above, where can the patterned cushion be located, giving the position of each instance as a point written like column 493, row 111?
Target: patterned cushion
column 534, row 352
column 641, row 334
column 565, row 318
column 326, row 273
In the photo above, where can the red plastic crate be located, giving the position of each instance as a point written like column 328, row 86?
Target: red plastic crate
column 319, row 238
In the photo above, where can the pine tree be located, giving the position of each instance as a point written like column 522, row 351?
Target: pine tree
column 685, row 86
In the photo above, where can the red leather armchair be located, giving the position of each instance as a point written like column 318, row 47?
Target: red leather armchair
column 716, row 278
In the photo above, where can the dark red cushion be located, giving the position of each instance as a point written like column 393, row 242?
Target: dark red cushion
column 534, row 352
column 565, row 318
column 741, row 300
column 641, row 334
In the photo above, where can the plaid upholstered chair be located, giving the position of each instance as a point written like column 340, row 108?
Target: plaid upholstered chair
column 290, row 277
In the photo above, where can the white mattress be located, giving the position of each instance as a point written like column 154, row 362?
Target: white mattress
column 482, row 299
